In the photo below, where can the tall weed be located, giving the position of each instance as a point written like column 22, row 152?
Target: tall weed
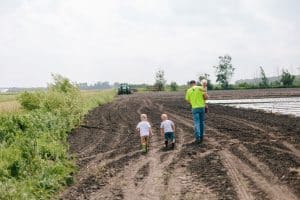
column 34, row 160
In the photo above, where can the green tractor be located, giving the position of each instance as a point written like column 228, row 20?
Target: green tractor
column 124, row 88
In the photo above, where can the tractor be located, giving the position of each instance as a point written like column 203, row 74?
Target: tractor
column 124, row 88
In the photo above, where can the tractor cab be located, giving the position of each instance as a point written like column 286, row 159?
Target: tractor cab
column 124, row 88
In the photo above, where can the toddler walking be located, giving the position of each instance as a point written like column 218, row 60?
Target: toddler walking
column 145, row 131
column 167, row 128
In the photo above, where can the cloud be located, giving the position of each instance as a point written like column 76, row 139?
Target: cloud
column 128, row 40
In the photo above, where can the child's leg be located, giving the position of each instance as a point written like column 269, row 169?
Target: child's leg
column 172, row 137
column 147, row 143
column 142, row 140
column 143, row 143
column 166, row 140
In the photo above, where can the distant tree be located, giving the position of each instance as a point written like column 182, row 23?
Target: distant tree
column 174, row 86
column 264, row 80
column 209, row 84
column 245, row 85
column 62, row 84
column 116, row 85
column 275, row 83
column 82, row 86
column 287, row 78
column 224, row 71
column 160, row 80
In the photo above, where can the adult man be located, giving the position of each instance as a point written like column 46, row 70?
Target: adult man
column 196, row 96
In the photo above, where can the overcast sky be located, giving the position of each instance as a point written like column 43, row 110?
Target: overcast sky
column 128, row 40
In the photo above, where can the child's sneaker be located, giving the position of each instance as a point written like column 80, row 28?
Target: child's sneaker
column 166, row 144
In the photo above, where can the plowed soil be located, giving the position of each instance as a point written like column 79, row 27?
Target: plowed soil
column 245, row 154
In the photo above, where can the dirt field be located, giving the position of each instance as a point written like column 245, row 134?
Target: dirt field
column 254, row 93
column 245, row 154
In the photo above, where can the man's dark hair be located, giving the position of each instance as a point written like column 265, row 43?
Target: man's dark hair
column 192, row 82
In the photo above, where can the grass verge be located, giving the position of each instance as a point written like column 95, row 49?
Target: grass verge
column 34, row 160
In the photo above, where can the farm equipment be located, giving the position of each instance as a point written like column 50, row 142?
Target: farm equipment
column 124, row 88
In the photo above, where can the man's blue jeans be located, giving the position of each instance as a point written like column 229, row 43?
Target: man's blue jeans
column 199, row 117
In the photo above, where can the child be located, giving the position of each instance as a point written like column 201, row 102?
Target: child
column 204, row 85
column 144, row 128
column 167, row 127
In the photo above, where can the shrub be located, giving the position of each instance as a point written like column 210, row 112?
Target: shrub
column 174, row 86
column 30, row 101
column 34, row 161
column 287, row 78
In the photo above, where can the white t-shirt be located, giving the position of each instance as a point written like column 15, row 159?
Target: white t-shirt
column 144, row 127
column 167, row 126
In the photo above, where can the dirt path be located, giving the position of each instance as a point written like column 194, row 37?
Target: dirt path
column 245, row 154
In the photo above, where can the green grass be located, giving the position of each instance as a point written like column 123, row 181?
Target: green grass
column 9, row 103
column 34, row 159
column 5, row 97
column 93, row 98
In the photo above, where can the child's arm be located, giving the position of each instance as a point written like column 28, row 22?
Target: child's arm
column 150, row 131
column 205, row 96
column 173, row 127
column 162, row 131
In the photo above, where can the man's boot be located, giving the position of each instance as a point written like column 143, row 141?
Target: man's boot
column 201, row 140
column 166, row 144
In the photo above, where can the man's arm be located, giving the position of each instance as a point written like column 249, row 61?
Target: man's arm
column 173, row 127
column 187, row 97
column 162, row 131
column 202, row 88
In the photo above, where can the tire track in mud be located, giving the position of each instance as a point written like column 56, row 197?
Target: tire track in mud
column 230, row 164
column 103, row 150
column 280, row 156
column 189, row 184
column 238, row 173
column 237, row 179
column 270, row 135
column 150, row 186
column 179, row 182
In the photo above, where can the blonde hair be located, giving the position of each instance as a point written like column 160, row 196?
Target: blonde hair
column 164, row 116
column 143, row 117
column 203, row 81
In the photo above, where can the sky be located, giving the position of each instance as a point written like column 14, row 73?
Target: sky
column 129, row 40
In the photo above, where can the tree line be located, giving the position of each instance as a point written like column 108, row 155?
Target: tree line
column 224, row 72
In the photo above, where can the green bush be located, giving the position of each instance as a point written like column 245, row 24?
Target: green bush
column 174, row 86
column 34, row 160
column 30, row 101
column 287, row 78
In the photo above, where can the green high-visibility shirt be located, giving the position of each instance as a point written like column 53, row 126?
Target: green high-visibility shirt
column 194, row 95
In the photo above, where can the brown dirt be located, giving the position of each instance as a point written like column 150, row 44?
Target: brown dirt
column 245, row 154
column 254, row 93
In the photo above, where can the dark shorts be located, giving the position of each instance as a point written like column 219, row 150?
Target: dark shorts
column 169, row 136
